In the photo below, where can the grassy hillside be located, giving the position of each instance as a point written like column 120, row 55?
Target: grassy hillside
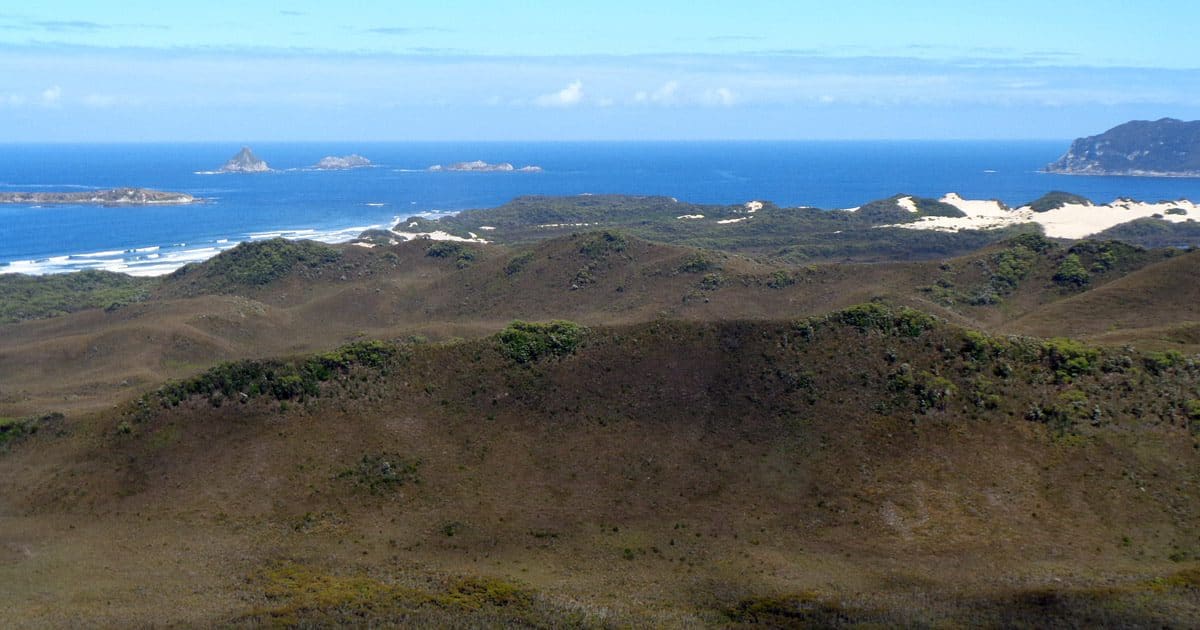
column 440, row 291
column 1164, row 294
column 826, row 470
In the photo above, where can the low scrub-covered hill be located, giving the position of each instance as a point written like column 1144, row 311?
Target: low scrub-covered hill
column 309, row 297
column 826, row 470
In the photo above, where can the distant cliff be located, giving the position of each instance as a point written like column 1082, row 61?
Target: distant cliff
column 114, row 197
column 245, row 162
column 1163, row 148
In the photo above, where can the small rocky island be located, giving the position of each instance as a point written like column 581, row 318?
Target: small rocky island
column 113, row 197
column 335, row 163
column 479, row 166
column 245, row 162
column 1159, row 148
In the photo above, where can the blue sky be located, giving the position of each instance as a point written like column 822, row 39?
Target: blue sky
column 521, row 70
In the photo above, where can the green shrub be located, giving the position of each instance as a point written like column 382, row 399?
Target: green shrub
column 517, row 263
column 1054, row 417
column 1033, row 241
column 281, row 380
column 872, row 316
column 1010, row 267
column 601, row 244
column 904, row 322
column 444, row 249
column 781, row 279
column 791, row 611
column 697, row 262
column 1068, row 357
column 462, row 255
column 1159, row 362
column 933, row 391
column 526, row 342
column 583, row 277
column 13, row 430
column 979, row 346
column 1071, row 272
column 711, row 282
column 474, row 593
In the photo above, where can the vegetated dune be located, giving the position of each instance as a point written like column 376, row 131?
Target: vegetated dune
column 829, row 470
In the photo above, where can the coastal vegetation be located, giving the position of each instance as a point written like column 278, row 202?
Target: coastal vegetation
column 1056, row 199
column 792, row 234
column 437, row 432
column 254, row 263
column 35, row 297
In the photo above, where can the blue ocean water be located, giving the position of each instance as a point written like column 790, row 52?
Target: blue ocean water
column 335, row 205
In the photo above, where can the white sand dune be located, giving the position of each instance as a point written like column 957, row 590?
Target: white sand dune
column 907, row 203
column 437, row 235
column 1070, row 221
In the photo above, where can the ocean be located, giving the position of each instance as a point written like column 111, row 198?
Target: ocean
column 331, row 206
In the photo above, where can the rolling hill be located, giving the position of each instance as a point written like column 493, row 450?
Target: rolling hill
column 819, row 470
column 307, row 435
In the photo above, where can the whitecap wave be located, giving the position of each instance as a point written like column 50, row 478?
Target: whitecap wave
column 158, row 260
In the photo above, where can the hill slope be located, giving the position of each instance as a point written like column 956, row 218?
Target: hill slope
column 681, row 474
column 1163, row 294
column 304, row 299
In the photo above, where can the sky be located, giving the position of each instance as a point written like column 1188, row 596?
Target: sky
column 221, row 71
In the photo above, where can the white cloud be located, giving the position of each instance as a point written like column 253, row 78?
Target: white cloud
column 51, row 96
column 566, row 97
column 666, row 94
column 722, row 96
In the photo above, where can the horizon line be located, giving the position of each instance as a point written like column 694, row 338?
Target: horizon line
column 245, row 142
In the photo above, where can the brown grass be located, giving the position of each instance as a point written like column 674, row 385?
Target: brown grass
column 672, row 474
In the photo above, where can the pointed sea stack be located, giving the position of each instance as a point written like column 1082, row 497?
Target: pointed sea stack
column 245, row 162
